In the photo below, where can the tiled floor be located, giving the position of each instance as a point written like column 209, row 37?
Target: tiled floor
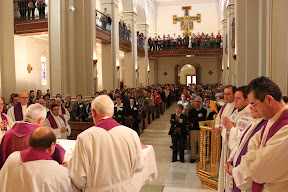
column 177, row 176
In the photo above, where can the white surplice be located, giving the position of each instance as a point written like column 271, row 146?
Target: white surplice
column 60, row 123
column 268, row 164
column 66, row 115
column 10, row 124
column 106, row 160
column 227, row 111
column 241, row 183
column 39, row 175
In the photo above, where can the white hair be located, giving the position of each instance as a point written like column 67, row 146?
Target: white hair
column 34, row 112
column 103, row 105
column 198, row 98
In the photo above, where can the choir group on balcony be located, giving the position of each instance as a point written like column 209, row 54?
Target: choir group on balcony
column 195, row 42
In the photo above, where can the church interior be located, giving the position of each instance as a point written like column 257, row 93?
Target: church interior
column 87, row 48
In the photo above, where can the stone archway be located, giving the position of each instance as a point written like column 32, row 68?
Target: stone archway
column 187, row 74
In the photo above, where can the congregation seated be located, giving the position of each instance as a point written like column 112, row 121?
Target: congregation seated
column 58, row 122
column 79, row 110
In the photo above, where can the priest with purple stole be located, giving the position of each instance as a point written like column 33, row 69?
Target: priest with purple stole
column 5, row 121
column 16, row 113
column 17, row 138
column 33, row 169
column 107, row 155
column 58, row 123
column 266, row 160
column 238, row 182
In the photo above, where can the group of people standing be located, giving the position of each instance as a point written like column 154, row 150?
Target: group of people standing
column 27, row 8
column 177, row 42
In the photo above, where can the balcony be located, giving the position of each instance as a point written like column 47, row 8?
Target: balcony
column 30, row 17
column 103, row 27
column 124, row 38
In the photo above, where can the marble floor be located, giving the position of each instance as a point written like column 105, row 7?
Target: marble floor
column 173, row 177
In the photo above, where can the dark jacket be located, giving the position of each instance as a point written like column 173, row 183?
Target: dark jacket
column 175, row 123
column 79, row 110
column 128, row 111
column 194, row 116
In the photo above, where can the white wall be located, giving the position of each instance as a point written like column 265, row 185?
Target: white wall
column 29, row 51
column 209, row 21
column 202, row 65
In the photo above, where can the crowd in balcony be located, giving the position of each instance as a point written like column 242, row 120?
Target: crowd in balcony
column 26, row 9
column 177, row 42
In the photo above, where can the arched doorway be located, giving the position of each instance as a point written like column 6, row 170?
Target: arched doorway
column 188, row 74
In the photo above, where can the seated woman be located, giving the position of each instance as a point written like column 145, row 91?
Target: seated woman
column 118, row 110
column 68, row 104
column 178, row 132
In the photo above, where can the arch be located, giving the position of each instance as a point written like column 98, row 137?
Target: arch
column 152, row 21
column 142, row 12
column 187, row 70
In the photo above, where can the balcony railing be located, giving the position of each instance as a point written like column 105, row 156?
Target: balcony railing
column 124, row 33
column 30, row 10
column 103, row 21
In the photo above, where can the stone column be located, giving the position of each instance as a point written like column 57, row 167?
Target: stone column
column 231, row 51
column 7, row 55
column 110, row 52
column 71, row 29
column 225, row 72
column 143, row 61
column 130, row 58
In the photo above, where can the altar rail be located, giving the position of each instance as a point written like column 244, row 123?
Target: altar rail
column 210, row 148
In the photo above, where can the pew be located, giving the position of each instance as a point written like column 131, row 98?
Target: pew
column 140, row 122
column 78, row 127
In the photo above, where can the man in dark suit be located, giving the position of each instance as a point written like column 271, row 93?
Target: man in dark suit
column 118, row 110
column 195, row 115
column 79, row 110
column 178, row 132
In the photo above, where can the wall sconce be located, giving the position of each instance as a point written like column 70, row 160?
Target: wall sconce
column 137, row 70
column 118, row 67
column 227, row 68
column 29, row 68
column 95, row 62
column 234, row 57
column 148, row 71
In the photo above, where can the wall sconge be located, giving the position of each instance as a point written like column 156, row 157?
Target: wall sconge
column 29, row 68
column 95, row 62
column 118, row 67
column 149, row 71
column 137, row 70
column 234, row 57
column 227, row 68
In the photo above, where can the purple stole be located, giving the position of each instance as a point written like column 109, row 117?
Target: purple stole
column 245, row 147
column 222, row 109
column 279, row 123
column 107, row 124
column 23, row 129
column 18, row 112
column 4, row 118
column 34, row 154
column 63, row 110
column 53, row 122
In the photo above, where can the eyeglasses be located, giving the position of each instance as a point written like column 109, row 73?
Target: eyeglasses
column 254, row 104
column 24, row 97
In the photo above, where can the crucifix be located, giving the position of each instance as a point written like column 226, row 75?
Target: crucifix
column 186, row 22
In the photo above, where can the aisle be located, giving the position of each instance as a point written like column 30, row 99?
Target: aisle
column 173, row 176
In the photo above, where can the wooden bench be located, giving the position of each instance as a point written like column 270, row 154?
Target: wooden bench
column 128, row 121
column 78, row 127
column 140, row 122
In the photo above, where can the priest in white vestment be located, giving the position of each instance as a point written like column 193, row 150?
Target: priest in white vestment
column 58, row 123
column 107, row 155
column 266, row 161
column 235, row 125
column 225, row 111
column 5, row 121
column 33, row 169
column 238, row 181
column 16, row 113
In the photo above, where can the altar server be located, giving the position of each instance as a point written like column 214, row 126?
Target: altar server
column 107, row 155
column 33, row 169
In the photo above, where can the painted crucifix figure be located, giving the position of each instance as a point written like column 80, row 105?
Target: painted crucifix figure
column 186, row 22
